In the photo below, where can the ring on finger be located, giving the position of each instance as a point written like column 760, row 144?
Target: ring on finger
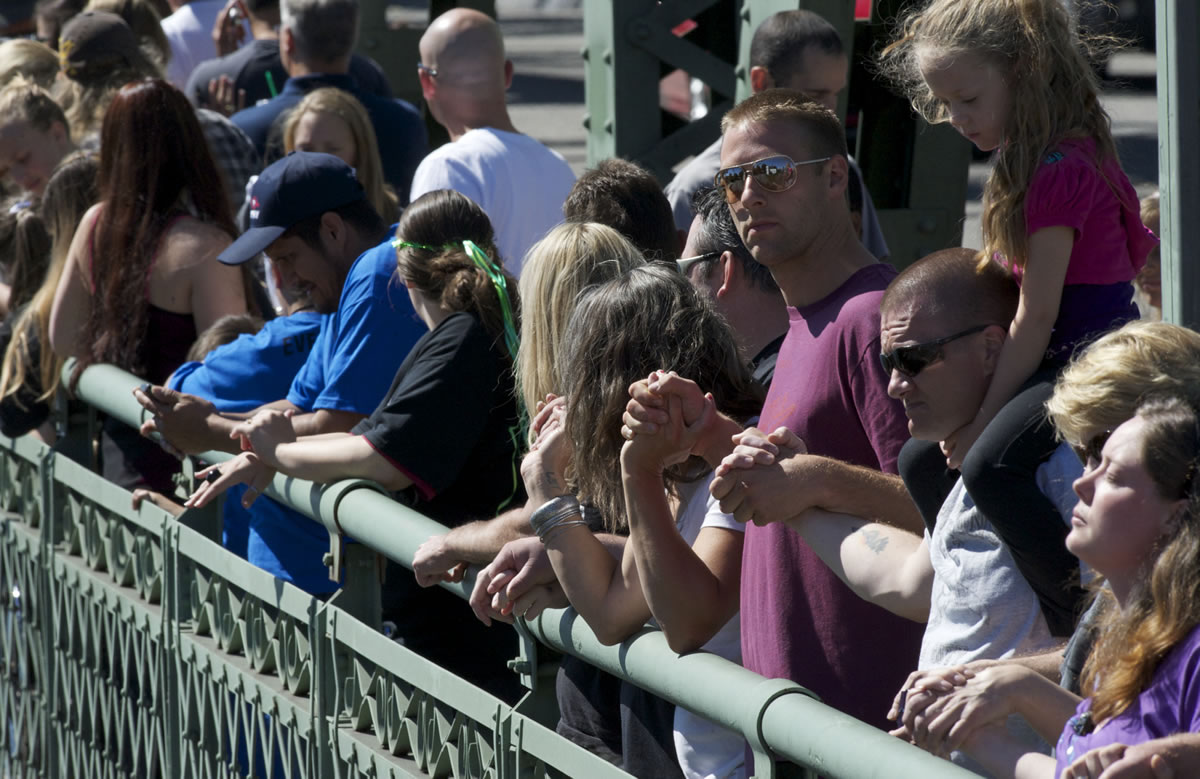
column 212, row 476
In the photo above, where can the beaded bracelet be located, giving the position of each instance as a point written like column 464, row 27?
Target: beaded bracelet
column 553, row 513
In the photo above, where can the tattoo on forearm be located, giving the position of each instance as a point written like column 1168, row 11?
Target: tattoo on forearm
column 551, row 479
column 874, row 540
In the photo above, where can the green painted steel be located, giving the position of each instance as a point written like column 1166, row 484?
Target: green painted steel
column 136, row 646
column 1178, row 26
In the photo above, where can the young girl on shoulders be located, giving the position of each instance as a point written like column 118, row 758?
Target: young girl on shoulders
column 1014, row 77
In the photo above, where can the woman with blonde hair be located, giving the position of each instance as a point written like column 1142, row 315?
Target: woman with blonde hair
column 30, row 374
column 332, row 121
column 34, row 60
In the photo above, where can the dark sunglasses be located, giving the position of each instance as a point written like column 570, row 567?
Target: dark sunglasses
column 911, row 360
column 774, row 174
column 687, row 263
column 1091, row 451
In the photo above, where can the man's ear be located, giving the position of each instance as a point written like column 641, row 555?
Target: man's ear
column 287, row 46
column 838, row 172
column 508, row 75
column 334, row 232
column 731, row 272
column 994, row 337
column 760, row 79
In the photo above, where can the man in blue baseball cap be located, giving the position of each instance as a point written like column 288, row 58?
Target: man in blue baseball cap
column 311, row 218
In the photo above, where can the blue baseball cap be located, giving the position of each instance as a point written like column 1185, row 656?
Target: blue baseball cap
column 290, row 190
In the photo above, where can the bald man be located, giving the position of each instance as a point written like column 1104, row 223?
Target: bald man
column 519, row 182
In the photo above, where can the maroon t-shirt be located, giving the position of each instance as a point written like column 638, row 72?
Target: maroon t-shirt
column 799, row 621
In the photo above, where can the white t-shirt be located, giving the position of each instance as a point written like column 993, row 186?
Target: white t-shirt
column 520, row 184
column 981, row 607
column 189, row 32
column 706, row 749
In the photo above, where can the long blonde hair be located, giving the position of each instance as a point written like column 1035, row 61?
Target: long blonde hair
column 570, row 258
column 368, row 166
column 1132, row 642
column 1046, row 65
column 69, row 193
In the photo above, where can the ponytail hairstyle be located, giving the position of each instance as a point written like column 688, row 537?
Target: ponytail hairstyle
column 25, row 247
column 1046, row 64
column 446, row 248
column 70, row 192
column 648, row 318
column 1132, row 643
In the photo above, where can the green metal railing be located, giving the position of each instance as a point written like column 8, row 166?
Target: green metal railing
column 132, row 644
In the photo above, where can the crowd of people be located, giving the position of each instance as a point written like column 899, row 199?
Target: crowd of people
column 958, row 501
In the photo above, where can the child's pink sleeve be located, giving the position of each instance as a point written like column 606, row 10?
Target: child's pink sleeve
column 1062, row 193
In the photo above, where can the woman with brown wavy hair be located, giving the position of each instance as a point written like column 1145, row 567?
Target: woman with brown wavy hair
column 142, row 276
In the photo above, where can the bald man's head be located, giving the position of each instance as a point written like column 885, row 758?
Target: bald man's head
column 465, row 49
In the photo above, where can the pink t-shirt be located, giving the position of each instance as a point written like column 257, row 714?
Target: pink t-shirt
column 799, row 621
column 1070, row 189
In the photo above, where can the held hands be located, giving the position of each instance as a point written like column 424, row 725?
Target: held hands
column 246, row 468
column 647, row 407
column 752, row 482
column 518, row 582
column 1118, row 761
column 672, row 442
column 180, row 418
column 944, row 708
column 544, row 467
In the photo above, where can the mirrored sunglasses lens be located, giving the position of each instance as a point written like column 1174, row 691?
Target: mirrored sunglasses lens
column 774, row 174
column 731, row 181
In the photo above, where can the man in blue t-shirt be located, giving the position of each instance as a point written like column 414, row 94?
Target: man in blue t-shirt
column 310, row 216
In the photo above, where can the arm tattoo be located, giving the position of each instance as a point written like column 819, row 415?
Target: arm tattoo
column 551, row 480
column 874, row 540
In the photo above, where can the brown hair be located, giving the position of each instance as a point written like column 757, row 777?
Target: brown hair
column 154, row 164
column 439, row 265
column 647, row 319
column 25, row 101
column 143, row 18
column 821, row 128
column 1055, row 92
column 627, row 198
column 1131, row 643
column 948, row 284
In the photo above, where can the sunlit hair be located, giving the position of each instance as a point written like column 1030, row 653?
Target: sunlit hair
column 34, row 60
column 627, row 198
column 557, row 268
column 443, row 219
column 154, row 165
column 822, row 130
column 143, row 19
column 1104, row 385
column 1055, row 93
column 649, row 318
column 70, row 192
column 366, row 163
column 1165, row 607
column 223, row 331
column 22, row 100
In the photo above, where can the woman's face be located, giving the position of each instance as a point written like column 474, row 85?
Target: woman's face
column 328, row 133
column 1120, row 515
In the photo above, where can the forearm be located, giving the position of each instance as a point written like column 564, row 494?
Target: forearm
column 673, row 577
column 1043, row 704
column 1004, row 756
column 479, row 542
column 325, row 420
column 331, row 457
column 867, row 493
column 1046, row 664
column 881, row 564
column 597, row 585
column 717, row 441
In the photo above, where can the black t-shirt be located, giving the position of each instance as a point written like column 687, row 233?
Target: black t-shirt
column 449, row 422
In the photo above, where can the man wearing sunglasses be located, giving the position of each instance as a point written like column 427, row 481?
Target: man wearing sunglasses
column 783, row 175
column 798, row 50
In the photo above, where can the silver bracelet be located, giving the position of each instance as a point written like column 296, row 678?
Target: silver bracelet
column 553, row 512
column 559, row 527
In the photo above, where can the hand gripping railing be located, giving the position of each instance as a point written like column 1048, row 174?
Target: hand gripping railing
column 779, row 719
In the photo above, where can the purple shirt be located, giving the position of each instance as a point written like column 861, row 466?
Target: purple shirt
column 1170, row 705
column 799, row 621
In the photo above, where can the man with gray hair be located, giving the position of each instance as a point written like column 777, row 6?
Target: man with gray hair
column 798, row 50
column 520, row 183
column 316, row 41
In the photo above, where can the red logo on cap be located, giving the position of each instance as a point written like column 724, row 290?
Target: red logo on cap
column 253, row 202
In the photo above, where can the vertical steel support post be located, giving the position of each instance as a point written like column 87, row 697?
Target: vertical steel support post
column 1178, row 29
column 621, row 82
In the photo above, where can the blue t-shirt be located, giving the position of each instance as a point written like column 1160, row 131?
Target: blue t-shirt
column 350, row 368
column 242, row 375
